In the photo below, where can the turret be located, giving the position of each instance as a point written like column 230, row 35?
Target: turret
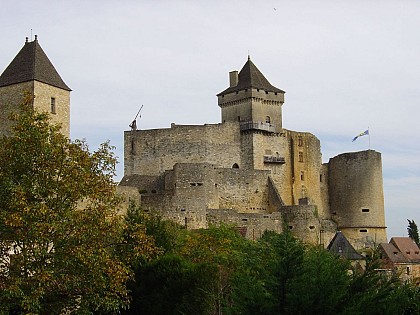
column 31, row 71
column 357, row 197
column 252, row 101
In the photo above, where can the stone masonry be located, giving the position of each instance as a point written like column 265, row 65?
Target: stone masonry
column 247, row 171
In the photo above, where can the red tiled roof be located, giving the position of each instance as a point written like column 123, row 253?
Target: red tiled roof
column 407, row 247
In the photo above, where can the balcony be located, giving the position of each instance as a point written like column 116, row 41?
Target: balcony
column 274, row 159
column 257, row 125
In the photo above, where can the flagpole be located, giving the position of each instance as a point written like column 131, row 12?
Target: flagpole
column 369, row 137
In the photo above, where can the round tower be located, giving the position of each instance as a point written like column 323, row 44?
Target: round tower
column 357, row 198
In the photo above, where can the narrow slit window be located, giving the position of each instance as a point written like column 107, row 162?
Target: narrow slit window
column 53, row 107
column 300, row 142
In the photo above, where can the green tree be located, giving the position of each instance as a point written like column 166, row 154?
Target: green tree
column 220, row 247
column 172, row 284
column 321, row 285
column 59, row 222
column 413, row 231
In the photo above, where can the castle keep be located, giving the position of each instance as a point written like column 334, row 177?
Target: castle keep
column 247, row 170
column 250, row 171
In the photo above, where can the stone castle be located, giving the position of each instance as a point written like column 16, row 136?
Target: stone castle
column 247, row 170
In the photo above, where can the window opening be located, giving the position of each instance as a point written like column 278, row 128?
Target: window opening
column 300, row 156
column 300, row 141
column 53, row 109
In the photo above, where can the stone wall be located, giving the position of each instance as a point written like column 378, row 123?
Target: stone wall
column 252, row 105
column 151, row 152
column 243, row 190
column 43, row 94
column 253, row 225
column 11, row 97
column 303, row 222
column 356, row 196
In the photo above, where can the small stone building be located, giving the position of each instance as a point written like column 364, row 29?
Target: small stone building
column 402, row 255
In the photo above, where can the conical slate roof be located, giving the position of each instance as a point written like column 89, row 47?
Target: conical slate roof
column 31, row 63
column 341, row 246
column 251, row 77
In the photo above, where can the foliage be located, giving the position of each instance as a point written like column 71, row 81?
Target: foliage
column 413, row 232
column 216, row 271
column 375, row 292
column 166, row 234
column 173, row 285
column 319, row 269
column 59, row 226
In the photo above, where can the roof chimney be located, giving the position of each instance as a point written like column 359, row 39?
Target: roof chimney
column 26, row 40
column 36, row 37
column 233, row 78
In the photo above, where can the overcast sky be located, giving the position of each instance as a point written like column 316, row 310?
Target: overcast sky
column 345, row 66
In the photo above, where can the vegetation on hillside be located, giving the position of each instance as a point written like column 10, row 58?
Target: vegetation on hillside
column 217, row 271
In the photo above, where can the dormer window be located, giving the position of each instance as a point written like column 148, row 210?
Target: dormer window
column 267, row 119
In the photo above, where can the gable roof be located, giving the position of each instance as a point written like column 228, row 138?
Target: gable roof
column 31, row 63
column 393, row 254
column 251, row 77
column 341, row 246
column 407, row 247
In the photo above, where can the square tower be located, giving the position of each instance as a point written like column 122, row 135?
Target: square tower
column 252, row 100
column 32, row 72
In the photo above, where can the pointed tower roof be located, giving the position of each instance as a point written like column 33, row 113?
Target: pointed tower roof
column 31, row 63
column 341, row 246
column 251, row 77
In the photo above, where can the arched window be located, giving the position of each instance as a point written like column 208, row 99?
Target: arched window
column 235, row 165
column 267, row 119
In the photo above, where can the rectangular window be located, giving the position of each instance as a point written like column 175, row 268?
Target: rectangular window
column 365, row 210
column 300, row 156
column 302, row 175
column 300, row 142
column 53, row 109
